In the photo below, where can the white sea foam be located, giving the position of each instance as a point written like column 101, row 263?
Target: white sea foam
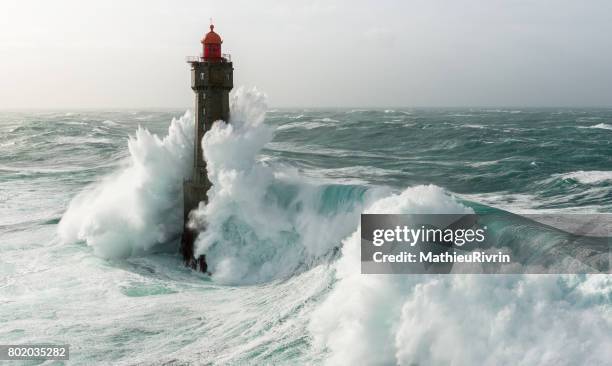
column 478, row 164
column 459, row 320
column 139, row 206
column 587, row 177
column 71, row 140
column 473, row 126
column 604, row 126
column 303, row 125
column 74, row 123
column 262, row 222
column 326, row 119
column 317, row 149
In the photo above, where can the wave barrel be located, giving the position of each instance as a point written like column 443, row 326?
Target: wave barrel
column 211, row 80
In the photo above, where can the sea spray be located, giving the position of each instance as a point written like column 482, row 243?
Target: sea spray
column 458, row 319
column 138, row 207
column 356, row 321
column 262, row 221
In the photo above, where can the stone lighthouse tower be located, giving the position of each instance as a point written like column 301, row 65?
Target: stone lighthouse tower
column 211, row 80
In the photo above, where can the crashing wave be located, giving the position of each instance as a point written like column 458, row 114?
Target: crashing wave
column 458, row 319
column 262, row 221
column 139, row 207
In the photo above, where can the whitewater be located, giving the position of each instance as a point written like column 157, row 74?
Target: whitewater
column 91, row 217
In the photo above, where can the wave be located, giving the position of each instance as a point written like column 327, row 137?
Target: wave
column 460, row 319
column 474, row 126
column 70, row 140
column 304, row 125
column 514, row 111
column 266, row 221
column 138, row 207
column 478, row 164
column 326, row 119
column 263, row 221
column 587, row 177
column 603, row 126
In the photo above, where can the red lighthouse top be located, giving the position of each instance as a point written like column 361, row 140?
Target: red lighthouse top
column 212, row 45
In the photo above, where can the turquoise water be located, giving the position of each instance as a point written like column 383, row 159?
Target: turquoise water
column 101, row 273
column 548, row 157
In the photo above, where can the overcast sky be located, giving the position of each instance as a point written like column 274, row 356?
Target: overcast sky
column 122, row 54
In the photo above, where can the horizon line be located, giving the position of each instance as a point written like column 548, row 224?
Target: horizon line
column 174, row 108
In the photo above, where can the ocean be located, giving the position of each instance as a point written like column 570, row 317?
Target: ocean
column 91, row 215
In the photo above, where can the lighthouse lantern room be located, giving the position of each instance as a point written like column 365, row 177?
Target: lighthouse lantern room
column 212, row 45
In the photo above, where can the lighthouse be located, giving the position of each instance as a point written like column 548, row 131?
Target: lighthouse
column 211, row 80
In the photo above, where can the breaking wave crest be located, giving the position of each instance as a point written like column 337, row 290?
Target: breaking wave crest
column 264, row 221
column 139, row 207
column 587, row 177
column 603, row 126
column 458, row 319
